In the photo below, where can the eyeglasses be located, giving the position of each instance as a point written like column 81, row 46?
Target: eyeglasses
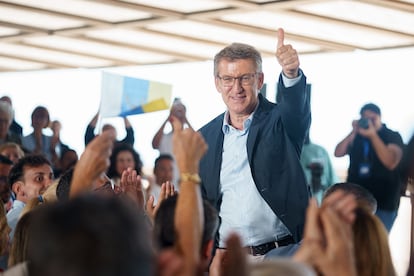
column 246, row 80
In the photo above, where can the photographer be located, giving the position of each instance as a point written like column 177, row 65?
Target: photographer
column 374, row 154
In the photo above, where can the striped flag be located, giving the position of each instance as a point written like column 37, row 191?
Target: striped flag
column 122, row 96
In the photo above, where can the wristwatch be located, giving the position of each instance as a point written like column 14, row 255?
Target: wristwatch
column 190, row 177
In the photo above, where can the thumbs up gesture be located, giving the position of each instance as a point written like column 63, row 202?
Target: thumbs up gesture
column 287, row 56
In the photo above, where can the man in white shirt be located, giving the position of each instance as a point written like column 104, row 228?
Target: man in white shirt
column 29, row 178
column 251, row 172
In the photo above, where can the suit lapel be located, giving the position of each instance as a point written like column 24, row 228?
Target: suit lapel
column 258, row 117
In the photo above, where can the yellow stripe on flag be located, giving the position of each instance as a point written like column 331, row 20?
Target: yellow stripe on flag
column 155, row 105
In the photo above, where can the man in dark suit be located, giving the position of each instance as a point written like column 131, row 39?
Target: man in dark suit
column 251, row 172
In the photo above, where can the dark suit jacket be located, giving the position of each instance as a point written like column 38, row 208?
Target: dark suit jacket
column 274, row 145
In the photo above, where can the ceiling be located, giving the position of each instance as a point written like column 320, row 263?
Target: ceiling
column 50, row 34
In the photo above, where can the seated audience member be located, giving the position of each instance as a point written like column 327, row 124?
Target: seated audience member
column 163, row 172
column 130, row 186
column 106, row 236
column 364, row 198
column 102, row 185
column 67, row 160
column 37, row 142
column 18, row 248
column 5, row 190
column 5, row 165
column 14, row 127
column 89, row 173
column 165, row 236
column 91, row 241
column 4, row 238
column 93, row 178
column 48, row 196
column 90, row 131
column 372, row 252
column 6, row 118
column 28, row 178
column 5, row 193
column 63, row 186
column 12, row 151
column 101, row 220
column 59, row 147
column 56, row 127
column 123, row 156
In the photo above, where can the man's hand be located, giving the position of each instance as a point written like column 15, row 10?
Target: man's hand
column 189, row 147
column 328, row 243
column 287, row 56
column 131, row 186
column 167, row 190
column 368, row 132
column 93, row 162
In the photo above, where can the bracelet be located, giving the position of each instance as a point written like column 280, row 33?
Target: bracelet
column 190, row 177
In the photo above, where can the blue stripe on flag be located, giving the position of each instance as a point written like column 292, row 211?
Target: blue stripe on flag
column 135, row 93
column 137, row 110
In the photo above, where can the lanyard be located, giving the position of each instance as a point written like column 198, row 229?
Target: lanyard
column 366, row 149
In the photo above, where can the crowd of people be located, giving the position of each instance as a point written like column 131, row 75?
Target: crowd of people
column 233, row 198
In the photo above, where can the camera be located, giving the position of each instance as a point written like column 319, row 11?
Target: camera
column 363, row 123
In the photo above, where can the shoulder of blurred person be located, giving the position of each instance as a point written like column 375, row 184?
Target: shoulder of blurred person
column 16, row 128
column 105, row 236
column 371, row 247
column 19, row 243
column 17, row 270
column 281, row 267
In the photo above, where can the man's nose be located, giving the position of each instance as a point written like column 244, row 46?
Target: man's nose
column 48, row 182
column 237, row 86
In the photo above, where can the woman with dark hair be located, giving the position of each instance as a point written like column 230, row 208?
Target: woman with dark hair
column 123, row 156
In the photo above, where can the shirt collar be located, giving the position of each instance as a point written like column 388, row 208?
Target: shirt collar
column 246, row 124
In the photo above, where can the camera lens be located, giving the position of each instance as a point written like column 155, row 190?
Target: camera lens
column 363, row 123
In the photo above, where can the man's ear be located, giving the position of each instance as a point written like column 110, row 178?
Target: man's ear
column 217, row 84
column 17, row 187
column 260, row 81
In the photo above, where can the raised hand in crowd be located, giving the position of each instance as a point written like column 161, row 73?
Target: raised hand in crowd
column 327, row 245
column 93, row 163
column 189, row 147
column 167, row 190
column 131, row 187
column 235, row 259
